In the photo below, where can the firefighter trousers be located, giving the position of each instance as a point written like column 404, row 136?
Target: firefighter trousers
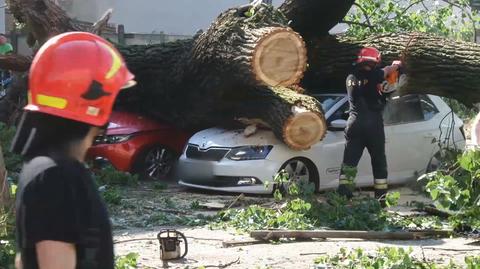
column 358, row 137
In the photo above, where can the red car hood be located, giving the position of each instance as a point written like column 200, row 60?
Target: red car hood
column 124, row 123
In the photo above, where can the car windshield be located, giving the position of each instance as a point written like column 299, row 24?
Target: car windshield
column 328, row 101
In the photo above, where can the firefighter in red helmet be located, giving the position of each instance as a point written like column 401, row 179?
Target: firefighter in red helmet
column 61, row 220
column 365, row 123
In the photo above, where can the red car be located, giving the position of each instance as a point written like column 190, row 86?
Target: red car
column 136, row 144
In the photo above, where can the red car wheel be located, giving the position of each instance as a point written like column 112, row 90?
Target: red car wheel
column 155, row 163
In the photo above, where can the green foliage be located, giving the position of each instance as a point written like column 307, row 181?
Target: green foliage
column 462, row 111
column 111, row 176
column 446, row 18
column 458, row 189
column 112, row 196
column 195, row 205
column 285, row 188
column 360, row 213
column 417, row 222
column 13, row 162
column 300, row 209
column 127, row 262
column 392, row 199
column 7, row 238
column 384, row 258
column 160, row 186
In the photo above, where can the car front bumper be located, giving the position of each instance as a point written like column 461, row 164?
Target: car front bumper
column 227, row 175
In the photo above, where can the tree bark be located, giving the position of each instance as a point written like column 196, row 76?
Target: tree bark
column 43, row 19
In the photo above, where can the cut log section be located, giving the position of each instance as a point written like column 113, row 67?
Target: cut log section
column 280, row 58
column 252, row 49
column 296, row 119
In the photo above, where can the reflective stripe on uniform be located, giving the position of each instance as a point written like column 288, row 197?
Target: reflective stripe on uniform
column 346, row 182
column 381, row 186
column 380, row 181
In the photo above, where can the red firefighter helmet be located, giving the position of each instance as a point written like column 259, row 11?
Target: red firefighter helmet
column 369, row 54
column 77, row 76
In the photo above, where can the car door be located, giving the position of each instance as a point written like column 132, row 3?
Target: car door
column 329, row 153
column 411, row 135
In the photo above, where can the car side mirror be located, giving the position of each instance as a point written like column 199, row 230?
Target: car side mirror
column 338, row 125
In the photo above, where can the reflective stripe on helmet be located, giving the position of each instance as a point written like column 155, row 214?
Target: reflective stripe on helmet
column 116, row 62
column 51, row 101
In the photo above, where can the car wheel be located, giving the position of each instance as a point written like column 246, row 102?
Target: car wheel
column 300, row 169
column 156, row 163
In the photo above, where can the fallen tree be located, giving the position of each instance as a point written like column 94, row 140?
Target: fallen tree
column 245, row 54
column 248, row 66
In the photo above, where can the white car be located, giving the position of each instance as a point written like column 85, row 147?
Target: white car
column 416, row 126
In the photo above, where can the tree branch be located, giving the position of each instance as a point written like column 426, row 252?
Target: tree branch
column 357, row 23
column 102, row 22
column 365, row 13
column 386, row 17
column 411, row 5
column 469, row 14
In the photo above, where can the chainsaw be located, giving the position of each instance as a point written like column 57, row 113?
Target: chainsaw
column 170, row 245
column 395, row 80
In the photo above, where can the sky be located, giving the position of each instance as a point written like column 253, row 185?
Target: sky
column 171, row 16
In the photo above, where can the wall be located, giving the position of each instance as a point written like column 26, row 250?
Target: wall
column 2, row 17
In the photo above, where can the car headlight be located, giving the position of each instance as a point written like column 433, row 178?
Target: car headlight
column 249, row 153
column 111, row 139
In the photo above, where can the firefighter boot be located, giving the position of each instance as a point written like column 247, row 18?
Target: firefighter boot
column 345, row 188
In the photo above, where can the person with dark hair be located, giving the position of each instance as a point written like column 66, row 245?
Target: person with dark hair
column 367, row 98
column 61, row 220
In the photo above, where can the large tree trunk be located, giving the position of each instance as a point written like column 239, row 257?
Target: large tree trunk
column 209, row 80
column 434, row 65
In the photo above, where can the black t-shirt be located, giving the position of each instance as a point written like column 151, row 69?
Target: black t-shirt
column 364, row 93
column 62, row 204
